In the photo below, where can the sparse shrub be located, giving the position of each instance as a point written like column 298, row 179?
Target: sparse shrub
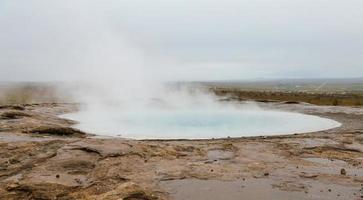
column 335, row 102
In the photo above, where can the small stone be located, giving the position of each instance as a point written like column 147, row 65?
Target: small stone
column 78, row 180
column 266, row 174
column 12, row 186
column 211, row 170
column 343, row 171
column 57, row 176
column 329, row 190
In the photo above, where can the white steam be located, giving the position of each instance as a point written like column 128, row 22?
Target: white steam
column 121, row 83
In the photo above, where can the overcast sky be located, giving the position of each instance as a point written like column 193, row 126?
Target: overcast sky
column 182, row 39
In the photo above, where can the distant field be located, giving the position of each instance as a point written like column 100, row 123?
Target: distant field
column 335, row 99
column 345, row 92
column 23, row 93
column 298, row 85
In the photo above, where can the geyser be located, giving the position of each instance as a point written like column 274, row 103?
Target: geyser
column 200, row 118
column 123, row 92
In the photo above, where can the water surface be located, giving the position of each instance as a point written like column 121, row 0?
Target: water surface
column 198, row 124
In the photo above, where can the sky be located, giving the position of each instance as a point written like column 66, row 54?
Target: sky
column 44, row 40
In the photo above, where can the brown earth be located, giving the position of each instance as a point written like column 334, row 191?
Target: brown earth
column 292, row 97
column 37, row 161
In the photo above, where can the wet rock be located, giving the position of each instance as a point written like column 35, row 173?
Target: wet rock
column 347, row 141
column 76, row 166
column 305, row 175
column 13, row 161
column 358, row 179
column 39, row 191
column 186, row 148
column 217, row 154
column 291, row 102
column 359, row 138
column 56, row 130
column 126, row 191
column 13, row 115
column 13, row 107
column 290, row 186
column 11, row 185
column 108, row 149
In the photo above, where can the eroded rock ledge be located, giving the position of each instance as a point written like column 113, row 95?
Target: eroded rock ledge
column 42, row 157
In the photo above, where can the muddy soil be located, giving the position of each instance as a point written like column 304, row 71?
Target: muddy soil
column 37, row 161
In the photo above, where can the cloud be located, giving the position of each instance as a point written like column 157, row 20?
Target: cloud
column 180, row 39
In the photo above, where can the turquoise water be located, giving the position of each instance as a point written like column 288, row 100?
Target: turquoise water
column 198, row 124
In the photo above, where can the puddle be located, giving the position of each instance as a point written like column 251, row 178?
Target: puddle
column 13, row 137
column 256, row 189
column 220, row 155
column 332, row 167
column 316, row 142
column 325, row 161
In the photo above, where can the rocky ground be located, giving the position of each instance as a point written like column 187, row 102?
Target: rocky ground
column 41, row 157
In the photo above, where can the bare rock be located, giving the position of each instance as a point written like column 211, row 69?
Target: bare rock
column 126, row 191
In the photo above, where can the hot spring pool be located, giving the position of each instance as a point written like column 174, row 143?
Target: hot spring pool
column 198, row 124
